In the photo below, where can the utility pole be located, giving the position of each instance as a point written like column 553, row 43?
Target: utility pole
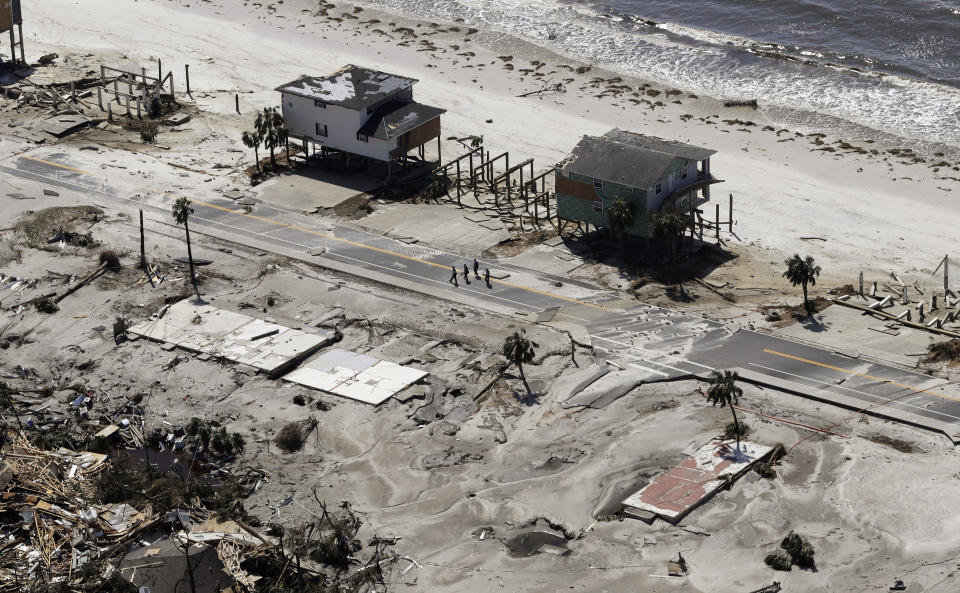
column 143, row 250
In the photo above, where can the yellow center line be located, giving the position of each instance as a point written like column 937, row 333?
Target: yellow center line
column 856, row 374
column 57, row 165
column 326, row 236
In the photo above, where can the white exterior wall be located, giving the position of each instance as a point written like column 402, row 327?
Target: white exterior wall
column 301, row 116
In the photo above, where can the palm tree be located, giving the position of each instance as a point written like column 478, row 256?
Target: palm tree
column 620, row 218
column 181, row 214
column 519, row 350
column 668, row 226
column 802, row 271
column 269, row 123
column 252, row 140
column 724, row 391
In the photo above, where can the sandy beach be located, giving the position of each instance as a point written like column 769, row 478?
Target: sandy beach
column 876, row 212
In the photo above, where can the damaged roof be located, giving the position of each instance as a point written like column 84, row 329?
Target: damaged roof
column 627, row 158
column 396, row 118
column 654, row 144
column 351, row 86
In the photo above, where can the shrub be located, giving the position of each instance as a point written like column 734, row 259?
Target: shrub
column 290, row 439
column 149, row 134
column 765, row 470
column 111, row 259
column 120, row 327
column 730, row 431
column 779, row 560
column 46, row 305
column 299, row 400
column 943, row 351
column 799, row 549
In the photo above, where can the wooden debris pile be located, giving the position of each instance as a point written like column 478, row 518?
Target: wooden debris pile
column 50, row 531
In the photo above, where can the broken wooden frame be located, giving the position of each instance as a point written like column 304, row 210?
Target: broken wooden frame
column 141, row 88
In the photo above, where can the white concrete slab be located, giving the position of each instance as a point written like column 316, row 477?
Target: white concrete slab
column 231, row 335
column 356, row 376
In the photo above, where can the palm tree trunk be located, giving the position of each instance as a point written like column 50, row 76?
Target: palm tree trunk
column 736, row 424
column 806, row 303
column 524, row 378
column 273, row 161
column 193, row 276
column 256, row 155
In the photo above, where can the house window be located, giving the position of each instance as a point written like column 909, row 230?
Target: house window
column 319, row 103
column 598, row 184
column 362, row 138
column 659, row 187
column 598, row 207
column 321, row 130
column 683, row 173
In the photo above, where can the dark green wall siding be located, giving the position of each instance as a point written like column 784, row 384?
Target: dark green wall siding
column 573, row 208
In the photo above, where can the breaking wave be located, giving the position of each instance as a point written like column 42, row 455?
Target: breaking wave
column 717, row 64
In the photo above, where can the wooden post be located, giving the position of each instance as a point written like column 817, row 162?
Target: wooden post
column 100, row 97
column 439, row 152
column 23, row 58
column 946, row 274
column 13, row 46
column 186, row 76
column 861, row 282
column 459, row 189
column 139, row 113
column 116, row 93
column 730, row 222
column 159, row 71
column 103, row 77
column 110, row 111
column 143, row 248
column 718, row 221
column 127, row 100
column 238, row 103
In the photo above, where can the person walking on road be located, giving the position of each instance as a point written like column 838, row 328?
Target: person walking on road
column 453, row 276
column 486, row 277
column 476, row 268
column 466, row 274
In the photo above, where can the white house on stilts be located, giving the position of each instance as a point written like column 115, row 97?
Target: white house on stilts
column 362, row 112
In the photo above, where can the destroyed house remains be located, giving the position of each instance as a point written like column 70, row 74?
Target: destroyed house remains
column 649, row 173
column 359, row 111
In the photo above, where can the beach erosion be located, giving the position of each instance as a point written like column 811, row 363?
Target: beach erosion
column 875, row 201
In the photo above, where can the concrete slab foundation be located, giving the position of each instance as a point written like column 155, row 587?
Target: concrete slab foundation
column 268, row 347
column 357, row 376
column 697, row 478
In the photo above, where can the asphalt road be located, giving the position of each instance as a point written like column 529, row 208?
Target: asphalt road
column 659, row 342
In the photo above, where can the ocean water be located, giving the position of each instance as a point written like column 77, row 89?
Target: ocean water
column 887, row 68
